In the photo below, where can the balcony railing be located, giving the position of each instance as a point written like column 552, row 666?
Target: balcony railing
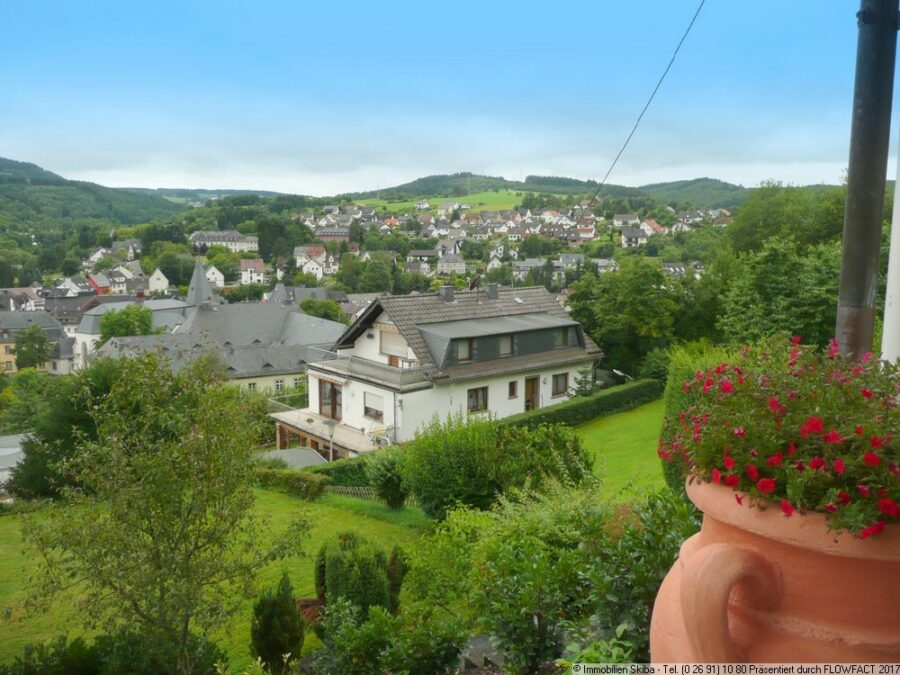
column 365, row 369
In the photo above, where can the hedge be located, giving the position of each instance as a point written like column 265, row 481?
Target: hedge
column 301, row 484
column 345, row 472
column 585, row 408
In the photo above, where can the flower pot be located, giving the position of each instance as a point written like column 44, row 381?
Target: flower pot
column 756, row 586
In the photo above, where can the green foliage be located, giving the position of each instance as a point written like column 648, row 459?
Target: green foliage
column 538, row 247
column 64, row 420
column 32, row 347
column 655, row 365
column 277, row 628
column 345, row 472
column 251, row 292
column 701, row 193
column 118, row 654
column 609, row 650
column 684, row 361
column 397, row 568
column 471, row 461
column 160, row 533
column 355, row 570
column 353, row 641
column 325, row 309
column 25, row 398
column 384, row 473
column 295, row 482
column 132, row 320
column 627, row 576
column 583, row 409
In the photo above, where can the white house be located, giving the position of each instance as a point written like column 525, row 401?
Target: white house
column 158, row 282
column 450, row 263
column 233, row 240
column 407, row 359
column 253, row 271
column 215, row 278
column 632, row 237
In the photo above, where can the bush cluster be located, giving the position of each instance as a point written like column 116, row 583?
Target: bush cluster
column 384, row 472
column 276, row 632
column 345, row 472
column 299, row 483
column 585, row 408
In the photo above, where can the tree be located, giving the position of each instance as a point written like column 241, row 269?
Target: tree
column 376, row 277
column 32, row 347
column 133, row 320
column 160, row 533
column 276, row 633
column 324, row 309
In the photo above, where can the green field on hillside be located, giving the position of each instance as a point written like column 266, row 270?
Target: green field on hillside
column 330, row 515
column 624, row 448
column 478, row 201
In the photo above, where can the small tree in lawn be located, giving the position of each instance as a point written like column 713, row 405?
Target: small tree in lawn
column 585, row 381
column 32, row 347
column 276, row 633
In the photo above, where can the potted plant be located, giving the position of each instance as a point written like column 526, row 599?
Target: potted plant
column 793, row 459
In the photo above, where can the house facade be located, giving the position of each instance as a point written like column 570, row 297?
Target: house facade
column 407, row 359
column 253, row 272
column 233, row 240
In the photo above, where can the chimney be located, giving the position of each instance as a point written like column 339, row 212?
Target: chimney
column 446, row 293
column 493, row 291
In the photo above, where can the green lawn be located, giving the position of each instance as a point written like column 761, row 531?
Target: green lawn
column 330, row 515
column 624, row 447
column 477, row 201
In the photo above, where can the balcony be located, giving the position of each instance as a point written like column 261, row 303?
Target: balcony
column 354, row 367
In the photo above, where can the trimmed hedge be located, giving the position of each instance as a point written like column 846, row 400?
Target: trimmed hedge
column 299, row 483
column 345, row 472
column 585, row 408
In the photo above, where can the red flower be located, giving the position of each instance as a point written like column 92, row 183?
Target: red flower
column 838, row 466
column 894, row 469
column 873, row 529
column 726, row 386
column 872, row 458
column 739, row 431
column 766, row 485
column 831, row 508
column 728, row 462
column 752, row 472
column 857, row 370
column 707, row 384
column 817, row 463
column 721, row 368
column 795, row 340
column 867, row 357
column 889, row 507
column 833, row 437
column 833, row 348
column 876, row 442
column 799, row 466
column 792, row 448
column 859, row 430
column 716, row 476
column 739, row 499
column 786, row 508
column 686, row 387
column 864, row 490
column 698, row 375
column 813, row 425
column 867, row 393
column 732, row 480
column 775, row 460
column 664, row 455
column 843, row 497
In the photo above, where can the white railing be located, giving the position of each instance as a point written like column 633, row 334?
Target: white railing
column 365, row 368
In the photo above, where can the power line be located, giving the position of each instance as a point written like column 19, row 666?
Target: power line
column 646, row 105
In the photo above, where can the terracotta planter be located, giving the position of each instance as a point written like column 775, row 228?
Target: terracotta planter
column 755, row 586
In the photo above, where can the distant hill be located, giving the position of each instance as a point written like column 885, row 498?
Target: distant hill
column 702, row 193
column 31, row 196
column 201, row 195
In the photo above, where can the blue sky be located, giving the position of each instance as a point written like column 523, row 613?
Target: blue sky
column 325, row 97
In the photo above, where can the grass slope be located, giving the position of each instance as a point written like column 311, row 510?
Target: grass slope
column 489, row 200
column 624, row 448
column 329, row 516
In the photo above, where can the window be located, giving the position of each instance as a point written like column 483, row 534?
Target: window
column 330, row 400
column 251, row 386
column 7, row 349
column 374, row 406
column 297, row 382
column 279, row 385
column 506, row 345
column 561, row 337
column 464, row 350
column 478, row 399
column 514, row 389
column 393, row 344
column 560, row 384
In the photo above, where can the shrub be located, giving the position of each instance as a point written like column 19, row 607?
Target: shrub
column 277, row 628
column 471, row 461
column 383, row 472
column 585, row 408
column 424, row 645
column 57, row 657
column 655, row 365
column 628, row 572
column 397, row 567
column 355, row 570
column 345, row 472
column 684, row 361
column 271, row 463
column 299, row 483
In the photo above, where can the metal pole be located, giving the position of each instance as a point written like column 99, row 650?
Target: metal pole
column 890, row 336
column 866, row 174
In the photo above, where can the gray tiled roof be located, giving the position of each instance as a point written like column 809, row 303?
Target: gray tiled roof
column 16, row 321
column 409, row 312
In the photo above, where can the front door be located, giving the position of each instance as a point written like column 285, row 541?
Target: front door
column 532, row 391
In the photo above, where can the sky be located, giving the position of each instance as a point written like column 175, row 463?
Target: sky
column 328, row 97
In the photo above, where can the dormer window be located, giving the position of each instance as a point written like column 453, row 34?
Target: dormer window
column 561, row 337
column 506, row 345
column 464, row 350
